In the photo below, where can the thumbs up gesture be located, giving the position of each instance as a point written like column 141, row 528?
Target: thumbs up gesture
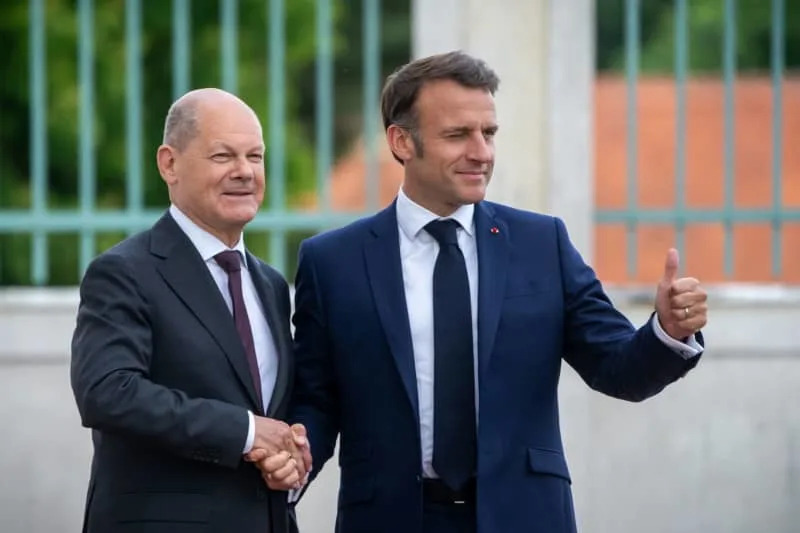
column 680, row 302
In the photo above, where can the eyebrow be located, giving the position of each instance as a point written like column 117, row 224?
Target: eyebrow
column 216, row 145
column 467, row 129
column 457, row 129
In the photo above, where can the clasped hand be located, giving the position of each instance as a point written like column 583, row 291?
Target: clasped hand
column 281, row 452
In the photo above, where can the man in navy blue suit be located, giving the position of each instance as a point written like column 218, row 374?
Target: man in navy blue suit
column 430, row 336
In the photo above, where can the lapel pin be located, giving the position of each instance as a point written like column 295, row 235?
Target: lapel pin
column 494, row 230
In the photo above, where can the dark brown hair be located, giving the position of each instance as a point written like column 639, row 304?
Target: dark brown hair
column 402, row 87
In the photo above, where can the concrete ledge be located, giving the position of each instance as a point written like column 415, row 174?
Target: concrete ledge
column 729, row 295
column 745, row 320
column 36, row 324
column 726, row 295
column 38, row 299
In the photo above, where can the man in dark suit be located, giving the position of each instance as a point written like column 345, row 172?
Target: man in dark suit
column 429, row 337
column 181, row 357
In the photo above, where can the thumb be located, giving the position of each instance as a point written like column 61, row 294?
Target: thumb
column 671, row 266
column 299, row 431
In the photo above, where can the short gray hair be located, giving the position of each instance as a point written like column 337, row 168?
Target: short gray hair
column 181, row 125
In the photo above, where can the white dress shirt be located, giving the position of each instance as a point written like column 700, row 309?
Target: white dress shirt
column 266, row 353
column 418, row 251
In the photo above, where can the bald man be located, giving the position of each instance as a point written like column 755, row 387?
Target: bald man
column 181, row 357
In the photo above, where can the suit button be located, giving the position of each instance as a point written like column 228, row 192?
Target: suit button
column 419, row 478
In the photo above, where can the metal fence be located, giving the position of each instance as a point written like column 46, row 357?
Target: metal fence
column 41, row 220
column 682, row 215
column 277, row 221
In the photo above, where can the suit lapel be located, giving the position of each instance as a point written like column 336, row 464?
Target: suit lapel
column 382, row 253
column 493, row 250
column 268, row 296
column 187, row 275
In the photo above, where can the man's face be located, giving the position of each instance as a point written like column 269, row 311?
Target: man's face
column 219, row 177
column 456, row 129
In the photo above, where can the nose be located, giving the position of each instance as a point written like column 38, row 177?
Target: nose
column 481, row 149
column 244, row 168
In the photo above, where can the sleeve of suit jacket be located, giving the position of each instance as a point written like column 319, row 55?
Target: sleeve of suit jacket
column 111, row 353
column 314, row 402
column 602, row 345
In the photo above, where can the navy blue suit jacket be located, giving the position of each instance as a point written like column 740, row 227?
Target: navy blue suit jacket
column 538, row 303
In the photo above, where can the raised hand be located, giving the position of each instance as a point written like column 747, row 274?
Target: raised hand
column 680, row 302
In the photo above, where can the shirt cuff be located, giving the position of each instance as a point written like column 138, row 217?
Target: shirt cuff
column 689, row 349
column 251, row 433
column 294, row 494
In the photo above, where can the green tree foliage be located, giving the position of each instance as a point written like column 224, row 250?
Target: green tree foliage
column 706, row 31
column 63, row 100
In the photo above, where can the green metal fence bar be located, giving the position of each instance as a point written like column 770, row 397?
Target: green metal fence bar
column 777, row 66
column 87, row 173
column 59, row 221
column 133, row 105
column 632, row 77
column 692, row 215
column 324, row 102
column 681, row 68
column 277, row 124
column 729, row 75
column 38, row 118
column 372, row 73
column 181, row 58
column 229, row 56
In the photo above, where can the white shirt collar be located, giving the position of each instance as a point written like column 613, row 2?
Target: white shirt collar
column 412, row 217
column 207, row 245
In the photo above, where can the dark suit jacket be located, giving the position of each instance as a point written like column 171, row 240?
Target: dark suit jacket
column 161, row 377
column 538, row 302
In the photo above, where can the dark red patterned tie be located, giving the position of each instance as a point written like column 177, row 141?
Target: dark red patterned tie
column 231, row 262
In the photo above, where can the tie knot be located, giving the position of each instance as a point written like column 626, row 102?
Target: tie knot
column 444, row 231
column 229, row 260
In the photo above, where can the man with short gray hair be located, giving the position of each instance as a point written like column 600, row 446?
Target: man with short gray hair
column 181, row 357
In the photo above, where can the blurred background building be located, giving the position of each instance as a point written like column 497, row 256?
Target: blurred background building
column 643, row 123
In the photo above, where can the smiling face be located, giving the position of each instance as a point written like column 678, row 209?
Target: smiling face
column 217, row 179
column 449, row 159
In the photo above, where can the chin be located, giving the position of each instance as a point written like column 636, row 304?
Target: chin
column 242, row 215
column 474, row 196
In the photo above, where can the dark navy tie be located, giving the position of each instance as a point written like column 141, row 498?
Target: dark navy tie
column 231, row 262
column 454, row 427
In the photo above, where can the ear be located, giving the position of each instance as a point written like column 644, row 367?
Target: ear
column 400, row 142
column 165, row 158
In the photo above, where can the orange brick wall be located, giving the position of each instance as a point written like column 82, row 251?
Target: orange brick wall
column 656, row 110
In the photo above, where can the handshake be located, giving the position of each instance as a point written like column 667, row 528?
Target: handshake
column 281, row 452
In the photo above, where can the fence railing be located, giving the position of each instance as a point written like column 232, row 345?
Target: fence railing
column 778, row 213
column 41, row 220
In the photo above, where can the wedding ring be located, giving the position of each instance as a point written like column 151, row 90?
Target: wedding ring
column 685, row 312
